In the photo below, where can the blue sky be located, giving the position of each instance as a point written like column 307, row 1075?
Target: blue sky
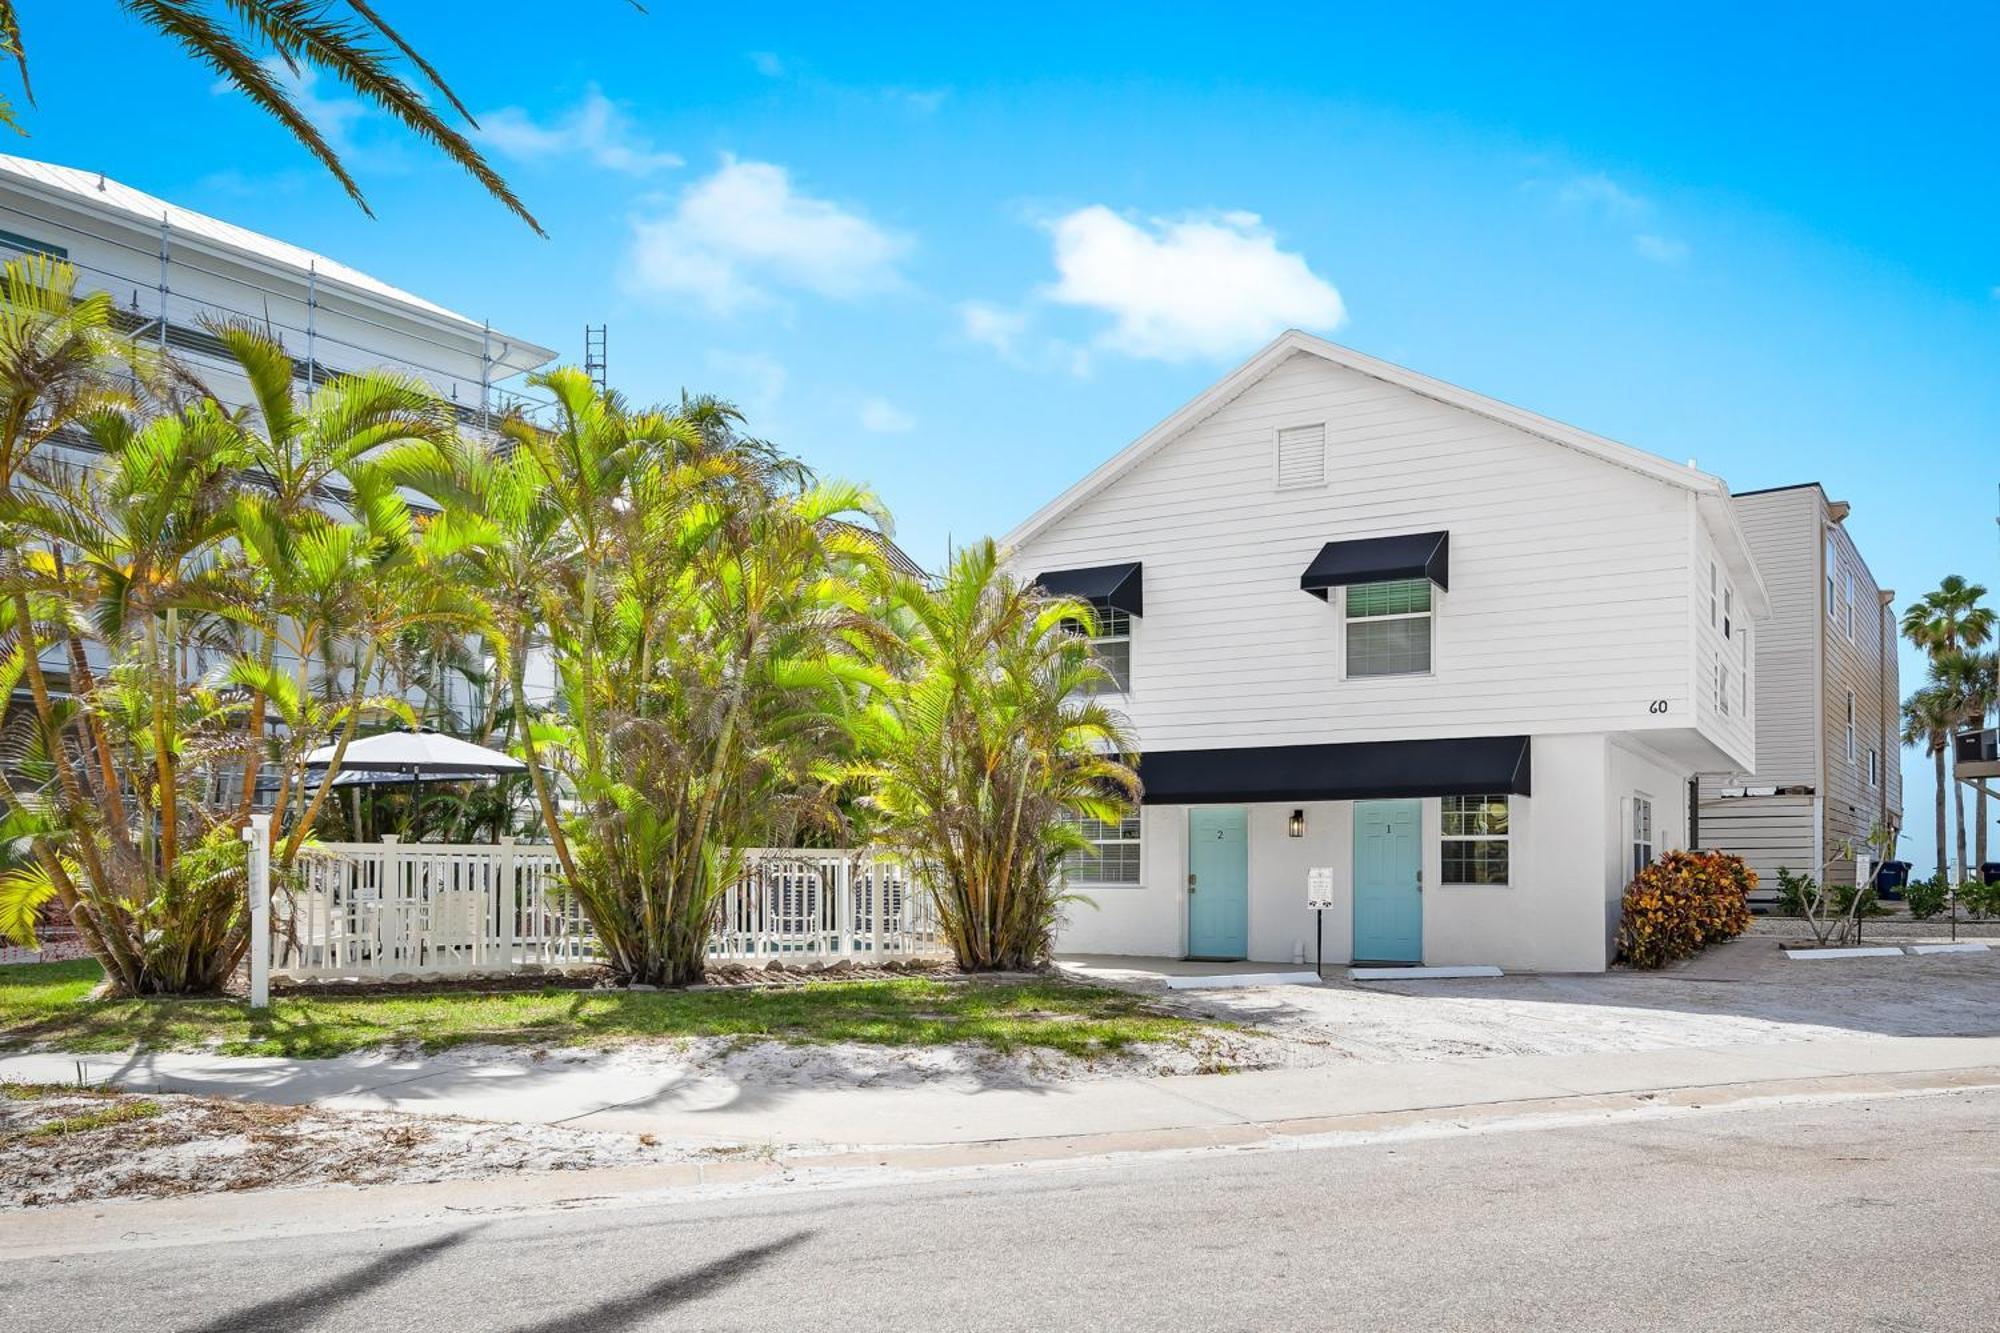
column 965, row 259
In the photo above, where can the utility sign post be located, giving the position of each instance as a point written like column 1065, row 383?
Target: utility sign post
column 1319, row 897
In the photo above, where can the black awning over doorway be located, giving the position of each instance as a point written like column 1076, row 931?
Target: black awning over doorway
column 1357, row 770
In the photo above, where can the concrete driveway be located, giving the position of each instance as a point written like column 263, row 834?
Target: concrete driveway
column 1742, row 992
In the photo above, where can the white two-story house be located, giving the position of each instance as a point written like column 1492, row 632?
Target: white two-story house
column 1465, row 660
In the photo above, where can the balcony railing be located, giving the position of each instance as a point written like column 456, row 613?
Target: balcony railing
column 1976, row 754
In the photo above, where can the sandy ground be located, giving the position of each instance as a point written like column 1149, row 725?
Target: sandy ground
column 1742, row 992
column 734, row 1064
column 51, row 1152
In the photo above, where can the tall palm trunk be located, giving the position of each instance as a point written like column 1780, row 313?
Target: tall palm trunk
column 1937, row 759
column 1958, row 819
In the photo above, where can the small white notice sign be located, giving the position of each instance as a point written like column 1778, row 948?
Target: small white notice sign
column 1319, row 886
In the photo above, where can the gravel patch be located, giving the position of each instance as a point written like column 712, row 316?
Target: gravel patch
column 74, row 1145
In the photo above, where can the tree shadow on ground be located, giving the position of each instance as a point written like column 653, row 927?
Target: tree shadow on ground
column 1748, row 980
column 629, row 1310
column 301, row 1309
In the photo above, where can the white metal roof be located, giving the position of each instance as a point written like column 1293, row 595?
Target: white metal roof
column 98, row 193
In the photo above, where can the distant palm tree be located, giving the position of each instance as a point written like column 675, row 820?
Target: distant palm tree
column 1948, row 623
column 254, row 44
column 1967, row 678
column 1928, row 717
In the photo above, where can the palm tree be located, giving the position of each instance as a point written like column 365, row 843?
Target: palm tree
column 59, row 354
column 1966, row 679
column 1929, row 716
column 305, row 460
column 1946, row 623
column 259, row 46
column 136, row 555
column 985, row 749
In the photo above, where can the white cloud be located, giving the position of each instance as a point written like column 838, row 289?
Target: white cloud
column 737, row 234
column 884, row 417
column 1011, row 332
column 751, row 380
column 1000, row 328
column 1660, row 249
column 1597, row 190
column 595, row 129
column 1206, row 285
column 1619, row 207
column 334, row 117
column 923, row 101
column 768, row 64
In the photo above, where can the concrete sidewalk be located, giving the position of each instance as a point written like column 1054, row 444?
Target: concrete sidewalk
column 675, row 1108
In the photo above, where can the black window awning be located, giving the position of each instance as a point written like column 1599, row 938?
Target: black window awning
column 1413, row 555
column 1113, row 587
column 1354, row 771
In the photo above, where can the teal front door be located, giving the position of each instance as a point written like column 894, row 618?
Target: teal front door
column 1388, row 882
column 1218, row 883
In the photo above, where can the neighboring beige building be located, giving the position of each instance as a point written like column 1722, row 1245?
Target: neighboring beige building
column 1828, row 769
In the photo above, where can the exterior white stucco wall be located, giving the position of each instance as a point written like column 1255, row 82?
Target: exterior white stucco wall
column 1570, row 857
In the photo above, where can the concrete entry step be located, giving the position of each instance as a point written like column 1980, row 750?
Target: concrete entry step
column 1421, row 973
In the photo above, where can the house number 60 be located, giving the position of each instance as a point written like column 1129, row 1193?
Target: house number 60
column 1657, row 706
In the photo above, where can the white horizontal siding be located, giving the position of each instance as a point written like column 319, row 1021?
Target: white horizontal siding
column 1569, row 608
column 1768, row 832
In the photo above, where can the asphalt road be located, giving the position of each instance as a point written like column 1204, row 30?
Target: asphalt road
column 1879, row 1214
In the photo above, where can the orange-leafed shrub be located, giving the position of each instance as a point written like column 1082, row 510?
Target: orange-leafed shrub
column 1681, row 904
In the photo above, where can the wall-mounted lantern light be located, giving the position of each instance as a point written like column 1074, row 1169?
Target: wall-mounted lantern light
column 1296, row 826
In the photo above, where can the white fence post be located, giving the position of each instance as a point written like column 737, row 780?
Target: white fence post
column 258, row 867
column 500, row 913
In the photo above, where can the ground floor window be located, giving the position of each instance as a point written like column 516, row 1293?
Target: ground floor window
column 1113, row 857
column 1642, row 833
column 1474, row 840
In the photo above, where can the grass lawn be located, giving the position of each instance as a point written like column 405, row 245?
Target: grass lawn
column 43, row 1004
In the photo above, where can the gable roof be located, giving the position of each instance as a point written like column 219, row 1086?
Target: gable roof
column 1709, row 490
column 97, row 193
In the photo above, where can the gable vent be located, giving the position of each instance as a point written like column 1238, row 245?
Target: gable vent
column 1301, row 456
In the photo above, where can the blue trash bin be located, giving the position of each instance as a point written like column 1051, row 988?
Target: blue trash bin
column 1989, row 872
column 1890, row 879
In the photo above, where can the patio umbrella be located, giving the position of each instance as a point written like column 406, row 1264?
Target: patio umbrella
column 412, row 756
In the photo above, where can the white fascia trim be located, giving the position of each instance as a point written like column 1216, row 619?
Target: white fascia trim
column 1294, row 340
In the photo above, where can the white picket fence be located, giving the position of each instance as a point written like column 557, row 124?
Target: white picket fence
column 376, row 911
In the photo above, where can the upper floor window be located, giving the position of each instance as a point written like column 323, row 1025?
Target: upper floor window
column 1874, row 767
column 1389, row 628
column 1474, row 843
column 15, row 243
column 1113, row 645
column 1850, row 605
column 1714, row 596
column 1852, row 754
column 1832, row 559
column 1728, row 611
column 1113, row 855
column 1642, row 833
column 1725, row 684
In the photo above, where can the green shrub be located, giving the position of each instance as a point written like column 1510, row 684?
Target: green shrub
column 1843, row 900
column 1926, row 897
column 1980, row 899
column 1796, row 893
column 1682, row 903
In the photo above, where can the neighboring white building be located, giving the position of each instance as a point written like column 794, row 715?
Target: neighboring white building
column 1464, row 657
column 1828, row 770
column 172, row 272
